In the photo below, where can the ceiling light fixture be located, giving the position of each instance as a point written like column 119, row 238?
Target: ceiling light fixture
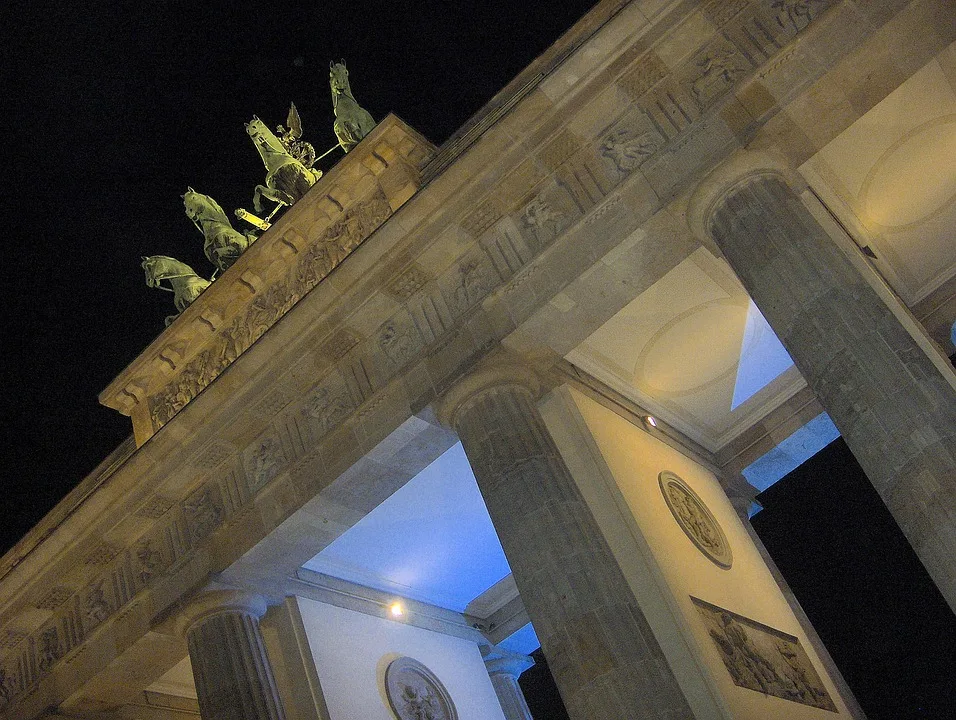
column 396, row 609
column 650, row 421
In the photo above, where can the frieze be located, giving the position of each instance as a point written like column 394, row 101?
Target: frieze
column 482, row 218
column 629, row 151
column 54, row 598
column 155, row 507
column 214, row 455
column 328, row 404
column 263, row 460
column 647, row 71
column 96, row 607
column 764, row 659
column 339, row 343
column 9, row 686
column 148, row 561
column 203, row 512
column 407, row 283
column 559, row 150
column 102, row 554
column 324, row 255
column 49, row 649
column 399, row 339
column 720, row 12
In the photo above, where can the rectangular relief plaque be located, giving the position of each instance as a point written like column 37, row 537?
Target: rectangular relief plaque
column 761, row 658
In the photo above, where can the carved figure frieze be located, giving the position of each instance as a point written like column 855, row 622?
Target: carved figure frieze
column 339, row 239
column 264, row 460
column 203, row 512
column 415, row 693
column 474, row 278
column 328, row 405
column 148, row 561
column 400, row 341
column 795, row 15
column 695, row 519
column 540, row 216
column 718, row 68
column 49, row 649
column 761, row 658
column 629, row 151
column 96, row 608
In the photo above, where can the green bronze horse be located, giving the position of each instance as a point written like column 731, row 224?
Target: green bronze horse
column 287, row 179
column 223, row 243
column 184, row 283
column 352, row 121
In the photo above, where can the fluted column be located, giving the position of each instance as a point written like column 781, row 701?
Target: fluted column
column 233, row 677
column 600, row 649
column 894, row 406
column 504, row 669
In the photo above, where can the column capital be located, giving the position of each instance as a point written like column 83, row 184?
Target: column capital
column 504, row 662
column 740, row 169
column 210, row 603
column 496, row 374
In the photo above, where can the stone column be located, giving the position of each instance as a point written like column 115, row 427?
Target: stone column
column 504, row 669
column 894, row 406
column 233, row 677
column 600, row 649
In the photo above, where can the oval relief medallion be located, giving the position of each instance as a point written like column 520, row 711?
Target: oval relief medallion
column 415, row 693
column 697, row 522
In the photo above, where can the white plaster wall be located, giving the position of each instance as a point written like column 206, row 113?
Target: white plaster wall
column 616, row 464
column 352, row 650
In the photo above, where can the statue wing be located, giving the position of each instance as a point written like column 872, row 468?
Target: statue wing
column 294, row 122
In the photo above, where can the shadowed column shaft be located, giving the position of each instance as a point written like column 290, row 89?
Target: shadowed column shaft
column 233, row 677
column 891, row 403
column 604, row 658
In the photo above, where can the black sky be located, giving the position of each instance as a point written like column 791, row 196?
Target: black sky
column 113, row 109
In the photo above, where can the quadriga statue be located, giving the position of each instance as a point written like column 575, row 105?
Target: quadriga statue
column 223, row 243
column 184, row 283
column 352, row 121
column 287, row 179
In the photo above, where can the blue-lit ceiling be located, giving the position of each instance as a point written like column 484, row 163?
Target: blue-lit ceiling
column 432, row 540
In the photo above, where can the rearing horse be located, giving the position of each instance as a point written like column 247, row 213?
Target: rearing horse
column 287, row 179
column 352, row 121
column 186, row 284
column 223, row 243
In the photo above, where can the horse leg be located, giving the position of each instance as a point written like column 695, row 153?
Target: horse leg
column 276, row 196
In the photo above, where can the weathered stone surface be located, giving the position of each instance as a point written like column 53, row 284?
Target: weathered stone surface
column 895, row 408
column 601, row 651
column 233, row 676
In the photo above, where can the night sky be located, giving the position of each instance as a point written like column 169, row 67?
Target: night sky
column 112, row 109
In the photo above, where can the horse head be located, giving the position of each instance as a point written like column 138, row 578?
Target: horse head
column 162, row 267
column 338, row 78
column 201, row 207
column 268, row 145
